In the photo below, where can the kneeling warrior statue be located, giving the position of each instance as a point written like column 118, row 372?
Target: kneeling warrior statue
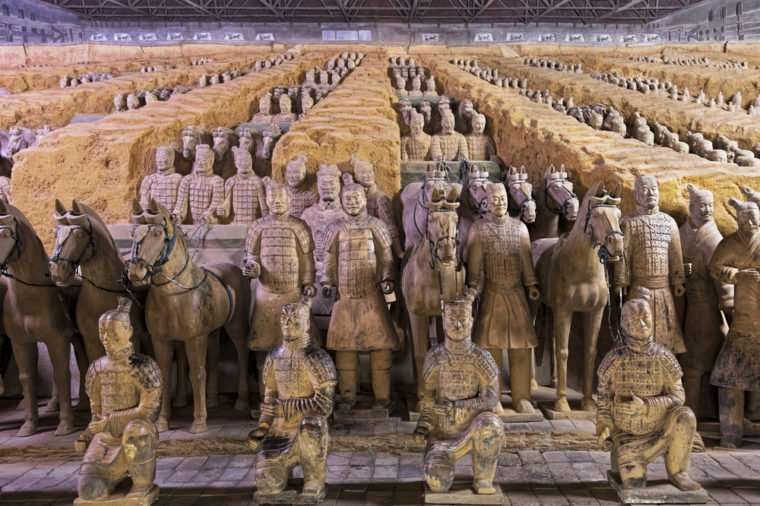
column 459, row 397
column 299, row 381
column 125, row 396
column 641, row 407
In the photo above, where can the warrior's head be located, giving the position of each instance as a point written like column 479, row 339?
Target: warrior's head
column 286, row 106
column 115, row 329
column 354, row 199
column 416, row 124
column 294, row 324
column 204, row 160
column 245, row 141
column 243, row 161
column 701, row 206
column 278, row 198
column 498, row 204
column 636, row 322
column 265, row 104
column 191, row 136
column 364, row 172
column 747, row 217
column 295, row 171
column 478, row 124
column 165, row 159
column 447, row 122
column 457, row 320
column 328, row 182
column 221, row 137
column 647, row 193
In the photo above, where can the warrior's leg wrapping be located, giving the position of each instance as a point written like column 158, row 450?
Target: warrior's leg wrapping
column 439, row 467
column 681, row 438
column 347, row 364
column 141, row 441
column 731, row 403
column 273, row 468
column 498, row 358
column 381, row 377
column 143, row 474
column 487, row 438
column 631, row 465
column 313, row 442
column 519, row 379
column 96, row 480
column 92, row 484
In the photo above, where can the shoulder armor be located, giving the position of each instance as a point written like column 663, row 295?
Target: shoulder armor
column 145, row 371
column 321, row 366
column 669, row 361
column 605, row 368
column 432, row 359
column 302, row 233
column 485, row 362
column 380, row 230
column 92, row 373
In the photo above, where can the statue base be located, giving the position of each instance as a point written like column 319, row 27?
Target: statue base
column 361, row 411
column 122, row 499
column 660, row 492
column 509, row 415
column 461, row 492
column 573, row 414
column 288, row 497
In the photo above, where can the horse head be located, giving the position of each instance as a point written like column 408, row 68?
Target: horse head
column 74, row 242
column 520, row 192
column 602, row 223
column 558, row 194
column 442, row 225
column 10, row 239
column 153, row 240
column 474, row 181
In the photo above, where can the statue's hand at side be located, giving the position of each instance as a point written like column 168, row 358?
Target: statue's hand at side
column 636, row 407
column 251, row 268
column 748, row 276
column 443, row 408
column 98, row 425
column 259, row 432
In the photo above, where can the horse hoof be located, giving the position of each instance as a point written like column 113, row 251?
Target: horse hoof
column 162, row 425
column 28, row 429
column 524, row 406
column 198, row 427
column 242, row 405
column 65, row 427
column 562, row 405
column 533, row 385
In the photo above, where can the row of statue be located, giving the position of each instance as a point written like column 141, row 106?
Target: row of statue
column 140, row 98
column 548, row 63
column 68, row 81
column 687, row 61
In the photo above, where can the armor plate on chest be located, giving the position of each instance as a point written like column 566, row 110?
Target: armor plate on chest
column 650, row 240
column 292, row 378
column 357, row 267
column 164, row 189
column 300, row 200
column 117, row 391
column 501, row 244
column 279, row 259
column 245, row 201
column 640, row 375
column 458, row 380
column 449, row 146
column 201, row 195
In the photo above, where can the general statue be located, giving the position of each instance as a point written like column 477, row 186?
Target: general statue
column 416, row 145
column 201, row 194
column 244, row 196
column 124, row 388
column 299, row 389
column 641, row 406
column 459, row 399
column 359, row 259
column 302, row 195
column 379, row 203
column 653, row 260
column 163, row 185
column 500, row 269
column 448, row 145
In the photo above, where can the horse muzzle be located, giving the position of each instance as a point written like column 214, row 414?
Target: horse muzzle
column 138, row 273
column 61, row 272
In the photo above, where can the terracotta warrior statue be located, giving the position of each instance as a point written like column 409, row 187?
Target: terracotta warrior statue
column 430, row 90
column 224, row 162
column 705, row 296
column 302, row 195
column 416, row 145
column 448, row 145
column 286, row 115
column 736, row 261
column 246, row 142
column 479, row 145
column 299, row 389
column 201, row 194
column 379, row 204
column 264, row 116
column 653, row 259
column 163, row 185
column 358, row 258
column 459, row 398
column 191, row 137
column 416, row 91
column 124, row 388
column 500, row 269
column 641, row 404
column 320, row 217
column 244, row 197
column 278, row 252
column 401, row 86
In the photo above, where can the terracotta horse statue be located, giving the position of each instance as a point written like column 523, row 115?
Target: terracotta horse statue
column 187, row 303
column 555, row 200
column 433, row 272
column 520, row 193
column 472, row 198
column 33, row 311
column 573, row 279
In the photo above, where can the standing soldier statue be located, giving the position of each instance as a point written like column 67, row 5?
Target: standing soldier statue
column 124, row 388
column 163, row 185
column 244, row 197
column 301, row 193
column 416, row 145
column 359, row 259
column 500, row 268
column 479, row 145
column 653, row 260
column 448, row 145
column 201, row 194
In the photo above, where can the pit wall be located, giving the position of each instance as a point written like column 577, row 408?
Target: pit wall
column 678, row 116
column 534, row 135
column 356, row 118
column 18, row 81
column 56, row 107
column 103, row 163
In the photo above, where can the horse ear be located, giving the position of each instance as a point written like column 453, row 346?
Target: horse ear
column 152, row 206
column 60, row 209
column 75, row 207
column 137, row 212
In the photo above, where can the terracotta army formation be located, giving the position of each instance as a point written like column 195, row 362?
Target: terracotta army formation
column 125, row 397
column 641, row 409
column 448, row 145
column 299, row 389
column 479, row 145
column 416, row 145
column 459, row 401
column 163, row 185
column 500, row 270
column 244, row 196
column 359, row 260
column 201, row 194
column 302, row 194
column 653, row 260
column 737, row 368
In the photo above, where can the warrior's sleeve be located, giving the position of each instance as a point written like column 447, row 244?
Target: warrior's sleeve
column 435, row 149
column 147, row 376
column 427, row 392
column 305, row 251
column 464, row 149
column 92, row 387
column 217, row 197
column 262, row 196
column 404, row 148
column 673, row 394
column 526, row 258
column 145, row 186
column 474, row 255
column 253, row 241
column 382, row 238
column 323, row 378
column 229, row 186
column 330, row 265
column 675, row 256
column 720, row 263
column 183, row 196
column 385, row 213
column 488, row 384
column 604, row 390
column 621, row 273
column 269, row 404
column 491, row 153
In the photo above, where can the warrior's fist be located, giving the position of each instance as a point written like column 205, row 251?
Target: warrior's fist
column 251, row 268
column 259, row 432
column 387, row 286
column 603, row 432
column 443, row 409
column 97, row 425
column 309, row 290
column 533, row 293
column 636, row 407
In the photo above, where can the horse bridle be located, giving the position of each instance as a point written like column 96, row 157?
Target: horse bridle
column 562, row 209
column 56, row 257
column 603, row 252
column 433, row 244
column 528, row 198
column 166, row 250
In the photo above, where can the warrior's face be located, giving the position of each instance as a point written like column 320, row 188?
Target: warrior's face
column 749, row 220
column 364, row 174
column 116, row 337
column 189, row 142
column 221, row 143
column 647, row 192
column 701, row 208
column 164, row 160
column 417, row 126
column 636, row 323
column 285, row 106
column 479, row 124
column 294, row 322
column 328, row 187
column 204, row 162
column 246, row 143
column 457, row 322
column 295, row 174
column 354, row 201
column 278, row 200
column 497, row 200
column 447, row 124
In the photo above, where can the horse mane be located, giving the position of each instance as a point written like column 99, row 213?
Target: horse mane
column 99, row 226
column 26, row 231
column 583, row 212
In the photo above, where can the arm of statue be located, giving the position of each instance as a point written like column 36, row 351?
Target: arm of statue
column 436, row 153
column 474, row 255
column 488, row 392
column 529, row 278
column 269, row 406
column 251, row 261
column 330, row 262
column 183, row 196
column 227, row 204
column 404, row 148
column 92, row 387
column 491, row 153
column 385, row 213
column 464, row 149
column 621, row 274
column 145, row 187
column 217, row 201
column 147, row 375
column 305, row 245
column 384, row 253
column 427, row 392
column 675, row 261
column 261, row 195
column 673, row 396
column 720, row 264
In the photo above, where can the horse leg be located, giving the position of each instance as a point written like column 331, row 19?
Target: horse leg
column 592, row 322
column 241, row 347
column 180, row 397
column 212, row 361
column 164, row 350
column 196, row 348
column 26, row 360
column 563, row 320
column 83, row 365
column 420, row 337
column 59, row 350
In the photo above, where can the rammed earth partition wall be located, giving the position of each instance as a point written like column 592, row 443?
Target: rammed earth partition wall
column 102, row 163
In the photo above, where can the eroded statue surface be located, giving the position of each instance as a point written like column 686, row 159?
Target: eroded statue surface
column 379, row 204
column 224, row 162
column 244, row 196
column 163, row 185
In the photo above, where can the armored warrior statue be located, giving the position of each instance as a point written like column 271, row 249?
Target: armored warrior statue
column 263, row 159
column 191, row 137
column 653, row 260
column 320, row 217
column 480, row 145
column 163, row 185
column 224, row 162
column 302, row 195
column 264, row 116
column 359, row 259
column 416, row 91
column 416, row 145
column 378, row 203
column 465, row 113
column 244, row 197
column 499, row 265
column 286, row 116
column 401, row 86
column 430, row 90
column 306, row 103
column 299, row 390
column 278, row 252
column 448, row 145
column 246, row 142
column 737, row 369
column 459, row 398
column 640, row 406
column 705, row 296
column 202, row 192
column 125, row 397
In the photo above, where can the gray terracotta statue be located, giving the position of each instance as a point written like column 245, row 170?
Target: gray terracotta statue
column 416, row 145
column 201, row 194
column 299, row 390
column 448, row 145
column 480, row 146
column 244, row 196
column 459, row 398
column 163, row 185
column 286, row 115
column 379, row 204
column 302, row 194
column 125, row 397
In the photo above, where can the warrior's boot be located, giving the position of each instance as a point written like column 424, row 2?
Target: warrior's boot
column 142, row 474
column 486, row 446
column 519, row 379
column 347, row 364
column 381, row 377
column 313, row 440
column 731, row 402
column 677, row 454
